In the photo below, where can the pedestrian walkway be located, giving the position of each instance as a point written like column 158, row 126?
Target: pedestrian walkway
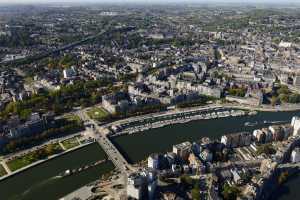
column 62, row 146
column 78, row 140
column 3, row 163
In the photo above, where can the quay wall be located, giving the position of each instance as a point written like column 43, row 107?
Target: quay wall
column 194, row 116
column 42, row 161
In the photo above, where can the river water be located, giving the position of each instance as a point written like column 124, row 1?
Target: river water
column 138, row 146
column 40, row 182
column 289, row 190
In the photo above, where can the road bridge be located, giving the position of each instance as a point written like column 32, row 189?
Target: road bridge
column 100, row 134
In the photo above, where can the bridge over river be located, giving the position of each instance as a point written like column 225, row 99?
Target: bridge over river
column 100, row 135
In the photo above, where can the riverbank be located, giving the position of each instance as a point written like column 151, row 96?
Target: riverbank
column 147, row 143
column 42, row 161
column 44, row 178
column 264, row 108
column 178, row 118
column 228, row 106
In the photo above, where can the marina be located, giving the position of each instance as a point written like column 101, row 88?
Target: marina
column 146, row 141
column 43, row 178
column 171, row 119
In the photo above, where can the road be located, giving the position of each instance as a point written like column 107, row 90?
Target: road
column 63, row 48
column 112, row 152
column 240, row 164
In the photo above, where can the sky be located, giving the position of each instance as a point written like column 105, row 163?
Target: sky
column 148, row 1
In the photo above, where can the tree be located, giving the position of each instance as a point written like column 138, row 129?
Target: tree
column 284, row 98
column 267, row 149
column 186, row 180
column 246, row 177
column 240, row 92
column 230, row 192
column 196, row 192
column 24, row 114
column 67, row 61
column 50, row 149
column 274, row 100
column 95, row 98
column 283, row 90
column 294, row 98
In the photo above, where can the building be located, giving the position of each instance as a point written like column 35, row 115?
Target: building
column 296, row 125
column 245, row 139
column 259, row 136
column 182, row 150
column 153, row 161
column 135, row 184
column 236, row 176
column 196, row 165
column 295, row 155
column 226, row 140
column 237, row 139
column 109, row 102
column 277, row 132
column 141, row 185
column 134, row 191
column 231, row 140
column 296, row 81
column 34, row 125
column 69, row 73
column 206, row 155
column 283, row 44
column 287, row 130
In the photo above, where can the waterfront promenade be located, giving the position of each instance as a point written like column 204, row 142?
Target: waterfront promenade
column 101, row 133
column 114, row 155
column 26, row 151
column 10, row 173
column 266, row 108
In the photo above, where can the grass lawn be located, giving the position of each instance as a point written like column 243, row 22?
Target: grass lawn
column 2, row 171
column 98, row 113
column 30, row 158
column 71, row 117
column 20, row 162
column 70, row 143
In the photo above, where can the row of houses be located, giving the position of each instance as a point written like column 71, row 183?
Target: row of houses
column 34, row 125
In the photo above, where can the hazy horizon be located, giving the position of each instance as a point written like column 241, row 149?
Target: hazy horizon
column 149, row 1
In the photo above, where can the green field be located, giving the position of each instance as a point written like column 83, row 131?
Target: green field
column 2, row 171
column 70, row 143
column 20, row 162
column 32, row 157
column 98, row 113
column 71, row 117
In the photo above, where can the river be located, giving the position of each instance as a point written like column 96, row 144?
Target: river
column 41, row 182
column 289, row 190
column 137, row 147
